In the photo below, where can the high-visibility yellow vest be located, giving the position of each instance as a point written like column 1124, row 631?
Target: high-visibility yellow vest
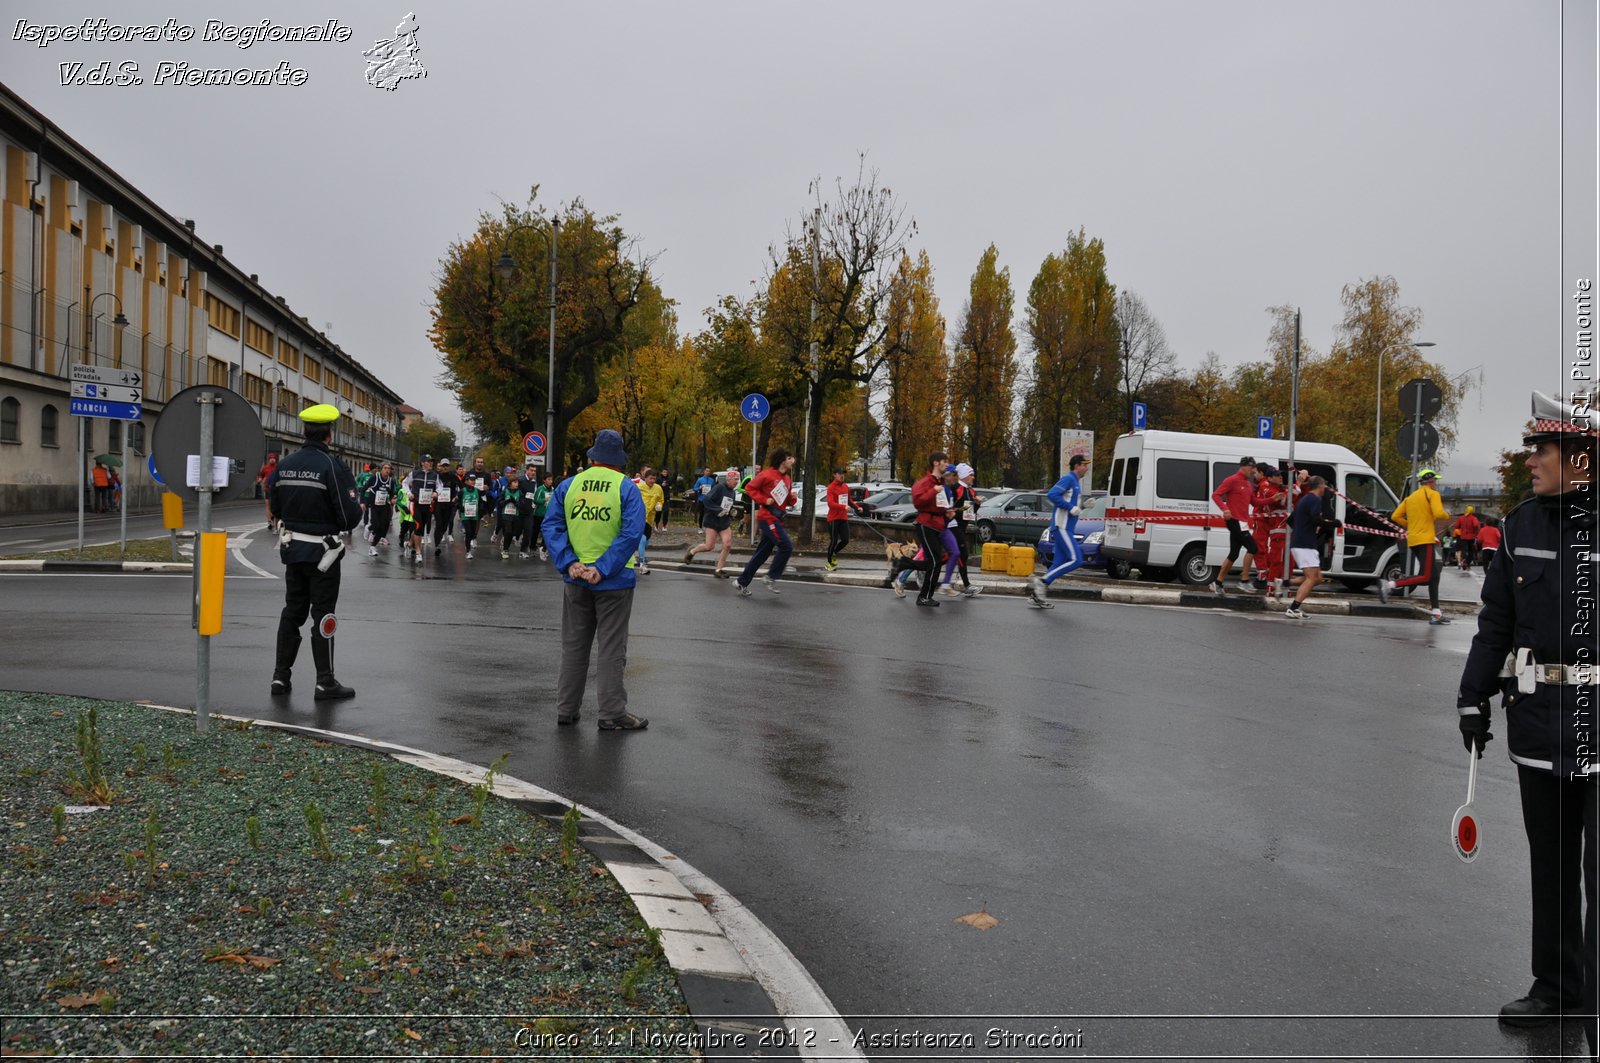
column 594, row 513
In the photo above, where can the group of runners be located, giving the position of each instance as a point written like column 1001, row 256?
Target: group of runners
column 430, row 503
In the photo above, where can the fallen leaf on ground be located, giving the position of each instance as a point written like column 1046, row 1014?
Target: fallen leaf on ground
column 459, row 820
column 980, row 921
column 85, row 1000
column 414, row 1035
column 367, row 989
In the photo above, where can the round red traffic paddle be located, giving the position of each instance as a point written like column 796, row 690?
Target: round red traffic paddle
column 1464, row 832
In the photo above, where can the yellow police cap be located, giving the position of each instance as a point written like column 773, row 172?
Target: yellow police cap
column 321, row 413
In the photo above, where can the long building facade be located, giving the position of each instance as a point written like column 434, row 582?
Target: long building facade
column 79, row 246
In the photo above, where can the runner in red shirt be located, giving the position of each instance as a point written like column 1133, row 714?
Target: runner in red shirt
column 771, row 492
column 1488, row 541
column 1271, row 523
column 839, row 506
column 1232, row 496
column 932, row 501
column 1466, row 532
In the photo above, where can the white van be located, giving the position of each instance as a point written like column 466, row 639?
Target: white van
column 1160, row 517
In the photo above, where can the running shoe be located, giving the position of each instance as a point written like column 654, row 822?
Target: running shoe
column 437, row 550
column 772, row 584
column 469, row 555
column 418, row 558
column 522, row 555
column 720, row 574
column 973, row 591
column 644, row 570
column 1438, row 618
column 1294, row 613
column 899, row 590
column 744, row 592
column 928, row 601
column 950, row 591
column 544, row 555
column 505, row 555
column 372, row 551
column 1036, row 589
column 1385, row 588
column 831, row 565
column 1216, row 587
column 688, row 554
column 626, row 722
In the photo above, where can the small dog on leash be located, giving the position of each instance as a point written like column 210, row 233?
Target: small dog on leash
column 899, row 551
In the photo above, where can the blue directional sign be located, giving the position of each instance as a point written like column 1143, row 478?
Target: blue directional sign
column 116, row 411
column 1263, row 428
column 755, row 408
column 1140, row 413
column 156, row 476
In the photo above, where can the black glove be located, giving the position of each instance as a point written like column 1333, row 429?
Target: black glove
column 1475, row 729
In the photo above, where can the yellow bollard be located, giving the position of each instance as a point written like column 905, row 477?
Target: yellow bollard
column 171, row 511
column 213, row 548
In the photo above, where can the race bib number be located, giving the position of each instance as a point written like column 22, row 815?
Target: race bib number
column 444, row 494
column 510, row 510
column 727, row 504
column 945, row 501
column 425, row 498
column 380, row 498
column 469, row 509
column 780, row 494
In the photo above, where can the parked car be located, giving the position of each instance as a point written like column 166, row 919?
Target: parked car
column 1013, row 517
column 1089, row 533
column 893, row 496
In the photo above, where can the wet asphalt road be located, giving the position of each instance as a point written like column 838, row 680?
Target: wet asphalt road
column 1169, row 811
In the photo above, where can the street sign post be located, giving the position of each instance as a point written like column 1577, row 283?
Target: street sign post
column 1263, row 428
column 106, row 392
column 1418, row 440
column 534, row 443
column 1140, row 416
column 99, row 374
column 115, row 411
column 754, row 408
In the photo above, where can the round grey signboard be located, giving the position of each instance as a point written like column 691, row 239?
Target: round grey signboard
column 1418, row 441
column 236, row 436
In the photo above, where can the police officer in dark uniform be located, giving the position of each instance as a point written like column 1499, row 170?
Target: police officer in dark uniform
column 314, row 499
column 1536, row 647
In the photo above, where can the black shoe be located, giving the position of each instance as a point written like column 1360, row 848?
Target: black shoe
column 1529, row 1011
column 437, row 550
column 928, row 601
column 563, row 721
column 333, row 691
column 280, row 687
column 626, row 722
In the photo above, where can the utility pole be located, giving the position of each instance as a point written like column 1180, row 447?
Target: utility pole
column 816, row 283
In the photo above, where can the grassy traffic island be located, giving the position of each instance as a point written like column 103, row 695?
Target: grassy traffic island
column 253, row 891
column 138, row 550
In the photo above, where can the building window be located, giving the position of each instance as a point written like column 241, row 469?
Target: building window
column 257, row 336
column 313, row 370
column 330, row 380
column 216, row 372
column 224, row 318
column 289, row 356
column 49, row 427
column 10, row 420
column 257, row 389
column 113, row 436
column 136, row 436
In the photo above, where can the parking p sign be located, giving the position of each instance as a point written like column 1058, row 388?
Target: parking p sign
column 1263, row 428
column 1139, row 416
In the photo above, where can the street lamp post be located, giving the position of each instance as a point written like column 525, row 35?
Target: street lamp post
column 506, row 268
column 1377, row 431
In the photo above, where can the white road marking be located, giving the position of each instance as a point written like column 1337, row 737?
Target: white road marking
column 239, row 546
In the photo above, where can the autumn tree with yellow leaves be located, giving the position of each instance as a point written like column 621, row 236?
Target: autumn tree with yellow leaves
column 983, row 378
column 916, row 409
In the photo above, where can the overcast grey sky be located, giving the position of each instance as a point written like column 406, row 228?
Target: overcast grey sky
column 1232, row 155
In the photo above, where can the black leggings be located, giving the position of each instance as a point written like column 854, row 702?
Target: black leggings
column 932, row 557
column 469, row 530
column 838, row 537
column 961, row 563
column 1427, row 573
column 379, row 517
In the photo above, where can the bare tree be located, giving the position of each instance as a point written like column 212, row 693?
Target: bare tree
column 851, row 248
column 1146, row 358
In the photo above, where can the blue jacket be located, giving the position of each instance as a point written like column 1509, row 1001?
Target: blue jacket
column 613, row 564
column 1067, row 492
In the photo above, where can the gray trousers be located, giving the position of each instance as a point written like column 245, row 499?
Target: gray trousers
column 585, row 614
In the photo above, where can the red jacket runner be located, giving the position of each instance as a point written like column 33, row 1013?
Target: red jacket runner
column 925, row 496
column 766, row 489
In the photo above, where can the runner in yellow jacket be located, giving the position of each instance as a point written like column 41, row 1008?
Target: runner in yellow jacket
column 1420, row 515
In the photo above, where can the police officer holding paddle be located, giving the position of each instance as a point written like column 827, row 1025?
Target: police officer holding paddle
column 314, row 500
column 1536, row 646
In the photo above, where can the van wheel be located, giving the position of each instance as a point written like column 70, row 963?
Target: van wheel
column 1117, row 568
column 1192, row 567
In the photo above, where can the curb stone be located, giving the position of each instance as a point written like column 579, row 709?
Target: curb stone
column 729, row 987
column 89, row 567
column 1127, row 595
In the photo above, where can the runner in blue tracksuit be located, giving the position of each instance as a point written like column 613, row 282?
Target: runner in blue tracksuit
column 1066, row 494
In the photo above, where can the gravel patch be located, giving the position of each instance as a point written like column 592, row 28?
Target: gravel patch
column 251, row 892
